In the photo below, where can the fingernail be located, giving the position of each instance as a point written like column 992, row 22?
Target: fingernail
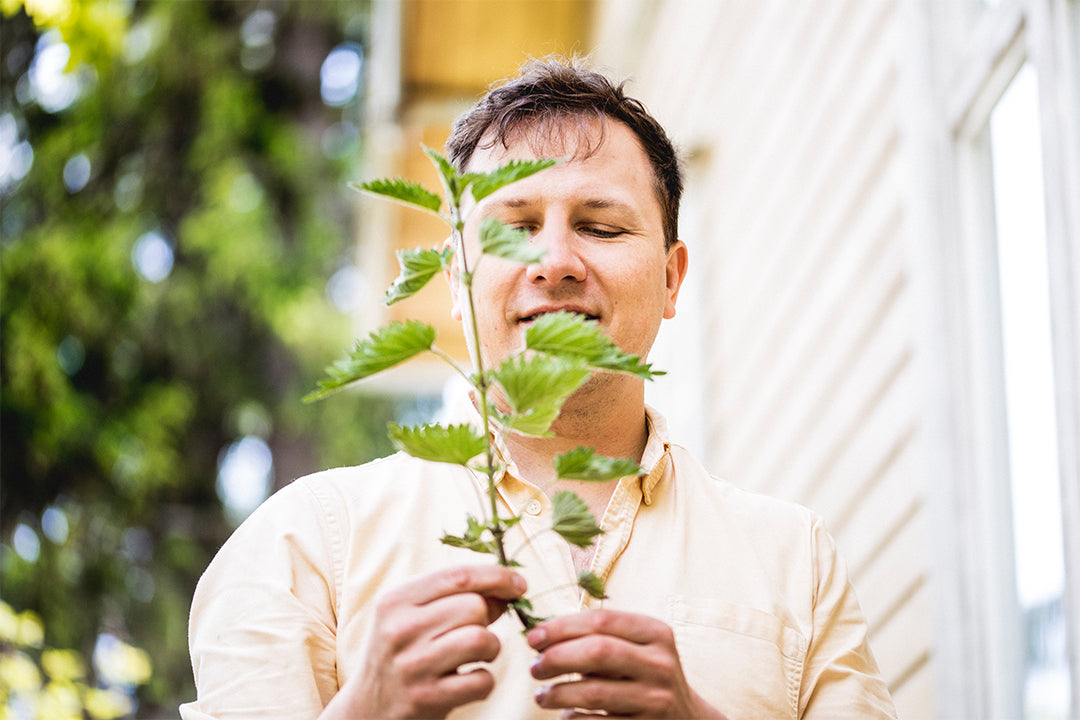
column 519, row 584
column 536, row 636
column 541, row 693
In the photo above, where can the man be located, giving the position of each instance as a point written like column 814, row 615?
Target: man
column 336, row 600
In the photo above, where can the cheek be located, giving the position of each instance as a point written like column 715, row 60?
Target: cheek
column 493, row 280
column 642, row 284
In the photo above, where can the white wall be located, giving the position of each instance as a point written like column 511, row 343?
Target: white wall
column 797, row 214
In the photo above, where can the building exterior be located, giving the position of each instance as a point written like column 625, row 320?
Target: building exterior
column 844, row 337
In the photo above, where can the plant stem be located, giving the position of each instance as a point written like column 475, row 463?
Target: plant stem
column 481, row 384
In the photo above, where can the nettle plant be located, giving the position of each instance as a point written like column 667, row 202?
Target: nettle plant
column 524, row 394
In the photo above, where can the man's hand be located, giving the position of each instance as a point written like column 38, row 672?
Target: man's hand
column 421, row 633
column 627, row 662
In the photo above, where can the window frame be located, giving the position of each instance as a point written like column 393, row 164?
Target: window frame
column 965, row 55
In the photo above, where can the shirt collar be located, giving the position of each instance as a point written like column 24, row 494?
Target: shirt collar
column 655, row 457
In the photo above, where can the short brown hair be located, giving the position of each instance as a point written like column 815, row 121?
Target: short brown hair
column 552, row 89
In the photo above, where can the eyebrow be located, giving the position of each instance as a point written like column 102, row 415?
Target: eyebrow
column 593, row 203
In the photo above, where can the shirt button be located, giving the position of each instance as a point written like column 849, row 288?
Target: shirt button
column 533, row 507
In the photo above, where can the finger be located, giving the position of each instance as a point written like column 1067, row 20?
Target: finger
column 598, row 655
column 489, row 580
column 615, row 697
column 631, row 627
column 452, row 611
column 446, row 653
column 400, row 626
column 454, row 690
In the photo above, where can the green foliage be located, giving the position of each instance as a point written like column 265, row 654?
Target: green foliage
column 482, row 185
column 473, row 538
column 508, row 243
column 590, row 583
column 570, row 334
column 455, row 444
column 418, row 266
column 572, row 520
column 535, row 387
column 94, row 29
column 50, row 682
column 382, row 350
column 453, row 183
column 121, row 392
column 523, row 608
column 582, row 463
column 404, row 191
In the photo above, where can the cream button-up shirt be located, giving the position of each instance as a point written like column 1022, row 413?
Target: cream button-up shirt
column 765, row 620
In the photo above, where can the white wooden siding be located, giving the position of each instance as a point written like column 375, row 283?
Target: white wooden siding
column 792, row 115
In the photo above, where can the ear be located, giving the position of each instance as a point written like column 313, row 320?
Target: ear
column 451, row 280
column 677, row 263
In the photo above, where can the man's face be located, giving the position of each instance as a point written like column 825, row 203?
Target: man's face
column 599, row 220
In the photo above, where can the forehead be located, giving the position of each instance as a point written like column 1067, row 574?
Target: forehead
column 574, row 138
column 601, row 162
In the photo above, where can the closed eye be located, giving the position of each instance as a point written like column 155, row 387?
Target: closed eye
column 601, row 232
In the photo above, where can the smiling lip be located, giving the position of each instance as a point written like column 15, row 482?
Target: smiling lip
column 533, row 315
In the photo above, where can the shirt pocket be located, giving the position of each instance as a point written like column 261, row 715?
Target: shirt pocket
column 742, row 660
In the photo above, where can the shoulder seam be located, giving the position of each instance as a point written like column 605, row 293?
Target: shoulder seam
column 331, row 534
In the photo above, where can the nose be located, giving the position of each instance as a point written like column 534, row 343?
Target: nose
column 561, row 261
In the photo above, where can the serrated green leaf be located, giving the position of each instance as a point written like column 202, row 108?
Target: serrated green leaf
column 381, row 350
column 583, row 463
column 591, row 583
column 472, row 539
column 455, row 444
column 569, row 334
column 508, row 243
column 535, row 422
column 480, row 546
column 418, row 266
column 473, row 527
column 487, row 547
column 572, row 520
column 524, row 610
column 448, row 175
column 483, row 184
column 535, row 388
column 404, row 191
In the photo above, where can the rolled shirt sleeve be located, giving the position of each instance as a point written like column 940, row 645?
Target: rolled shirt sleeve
column 840, row 677
column 263, row 622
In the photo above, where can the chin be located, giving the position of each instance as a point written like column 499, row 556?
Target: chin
column 602, row 388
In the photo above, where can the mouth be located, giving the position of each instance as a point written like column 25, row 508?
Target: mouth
column 531, row 318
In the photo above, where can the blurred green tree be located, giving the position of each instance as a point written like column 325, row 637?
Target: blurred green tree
column 173, row 209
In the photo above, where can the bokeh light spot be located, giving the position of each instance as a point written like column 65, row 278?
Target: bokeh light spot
column 245, row 194
column 76, row 173
column 26, row 543
column 16, row 156
column 50, row 83
column 54, row 524
column 152, row 257
column 340, row 74
column 244, row 475
column 70, row 355
column 347, row 289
